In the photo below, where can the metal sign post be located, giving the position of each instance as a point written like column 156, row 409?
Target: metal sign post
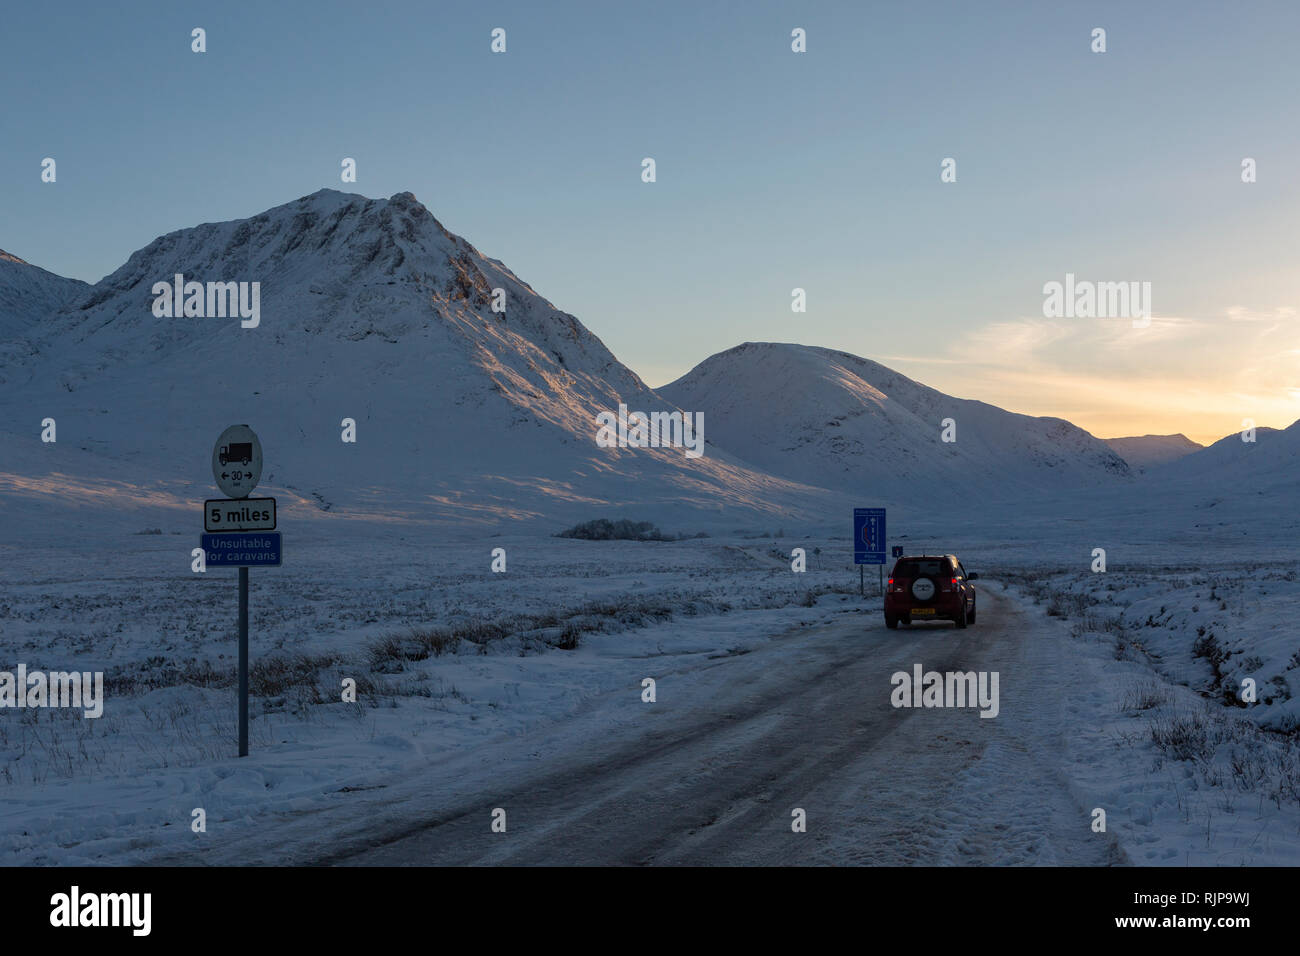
column 237, row 468
column 243, row 662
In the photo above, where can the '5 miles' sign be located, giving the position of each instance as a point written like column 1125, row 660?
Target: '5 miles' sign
column 239, row 514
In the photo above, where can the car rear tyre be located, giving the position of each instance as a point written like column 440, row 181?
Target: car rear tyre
column 891, row 622
column 961, row 620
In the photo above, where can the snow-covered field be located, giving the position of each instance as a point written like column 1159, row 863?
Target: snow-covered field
column 1188, row 773
column 451, row 659
column 445, row 654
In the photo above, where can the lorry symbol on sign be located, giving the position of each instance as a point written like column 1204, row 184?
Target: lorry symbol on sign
column 240, row 451
column 237, row 446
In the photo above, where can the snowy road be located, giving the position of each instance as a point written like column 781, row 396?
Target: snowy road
column 803, row 723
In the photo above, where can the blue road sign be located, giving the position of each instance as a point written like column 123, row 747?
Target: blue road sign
column 868, row 535
column 254, row 549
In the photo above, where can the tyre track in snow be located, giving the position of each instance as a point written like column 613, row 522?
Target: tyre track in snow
column 805, row 722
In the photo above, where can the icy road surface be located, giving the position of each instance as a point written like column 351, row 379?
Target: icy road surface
column 711, row 772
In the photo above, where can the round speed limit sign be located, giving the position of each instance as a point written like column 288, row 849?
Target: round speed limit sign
column 237, row 461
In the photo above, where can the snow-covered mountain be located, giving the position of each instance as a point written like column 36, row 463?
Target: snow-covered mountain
column 1148, row 451
column 833, row 419
column 28, row 294
column 1233, row 466
column 369, row 310
column 1230, row 496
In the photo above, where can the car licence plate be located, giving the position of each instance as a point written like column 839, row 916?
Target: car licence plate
column 922, row 610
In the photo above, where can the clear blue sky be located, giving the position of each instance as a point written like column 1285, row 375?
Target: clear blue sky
column 775, row 170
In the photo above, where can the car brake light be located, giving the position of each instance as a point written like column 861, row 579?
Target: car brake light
column 951, row 585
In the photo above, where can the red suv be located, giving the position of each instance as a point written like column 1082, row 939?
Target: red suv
column 929, row 588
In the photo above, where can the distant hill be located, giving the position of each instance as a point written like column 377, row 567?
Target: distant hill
column 829, row 418
column 1271, row 463
column 1148, row 451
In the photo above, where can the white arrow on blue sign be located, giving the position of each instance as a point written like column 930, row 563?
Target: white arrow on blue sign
column 868, row 535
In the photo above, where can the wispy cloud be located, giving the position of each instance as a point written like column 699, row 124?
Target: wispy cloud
column 1196, row 375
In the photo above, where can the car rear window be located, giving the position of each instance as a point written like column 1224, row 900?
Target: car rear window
column 933, row 568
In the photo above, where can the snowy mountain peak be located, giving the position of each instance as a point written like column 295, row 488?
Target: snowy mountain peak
column 327, row 263
column 838, row 420
column 474, row 398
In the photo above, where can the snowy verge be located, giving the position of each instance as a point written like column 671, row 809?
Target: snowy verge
column 1185, row 775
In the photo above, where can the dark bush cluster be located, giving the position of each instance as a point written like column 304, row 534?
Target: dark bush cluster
column 602, row 529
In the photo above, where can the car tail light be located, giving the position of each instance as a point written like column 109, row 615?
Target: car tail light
column 951, row 585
